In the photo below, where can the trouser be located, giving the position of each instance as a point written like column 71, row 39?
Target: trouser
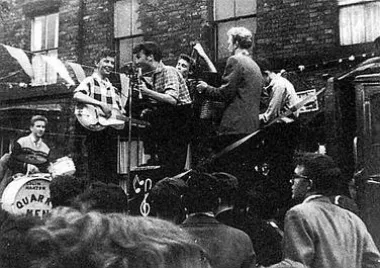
column 168, row 136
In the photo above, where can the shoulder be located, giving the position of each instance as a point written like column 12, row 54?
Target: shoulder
column 241, row 235
column 23, row 140
column 88, row 79
column 45, row 146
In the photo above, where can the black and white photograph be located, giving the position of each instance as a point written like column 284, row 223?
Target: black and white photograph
column 189, row 133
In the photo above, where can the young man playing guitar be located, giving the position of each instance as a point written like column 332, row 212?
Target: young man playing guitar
column 101, row 98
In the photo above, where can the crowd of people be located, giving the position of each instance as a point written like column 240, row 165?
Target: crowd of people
column 227, row 212
column 196, row 222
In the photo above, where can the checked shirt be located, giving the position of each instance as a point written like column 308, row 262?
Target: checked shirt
column 100, row 90
column 166, row 79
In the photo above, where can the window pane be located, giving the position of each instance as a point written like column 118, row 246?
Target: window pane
column 38, row 33
column 126, row 18
column 224, row 9
column 222, row 38
column 351, row 20
column 245, row 7
column 51, row 74
column 39, row 69
column 52, row 31
column 372, row 22
column 125, row 49
column 357, row 19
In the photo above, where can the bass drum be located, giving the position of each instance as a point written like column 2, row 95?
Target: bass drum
column 28, row 195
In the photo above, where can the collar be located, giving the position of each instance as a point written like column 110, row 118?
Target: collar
column 227, row 208
column 34, row 139
column 97, row 77
column 276, row 77
column 159, row 68
column 243, row 52
column 208, row 214
column 312, row 197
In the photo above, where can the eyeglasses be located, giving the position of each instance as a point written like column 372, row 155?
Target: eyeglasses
column 298, row 176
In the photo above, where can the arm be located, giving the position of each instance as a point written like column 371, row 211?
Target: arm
column 230, row 79
column 81, row 94
column 161, row 97
column 371, row 255
column 298, row 238
column 203, row 55
column 274, row 107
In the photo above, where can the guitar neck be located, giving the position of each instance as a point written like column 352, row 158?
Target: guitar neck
column 135, row 122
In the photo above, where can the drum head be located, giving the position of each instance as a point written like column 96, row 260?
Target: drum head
column 28, row 195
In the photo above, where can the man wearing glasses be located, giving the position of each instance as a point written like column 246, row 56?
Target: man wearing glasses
column 319, row 233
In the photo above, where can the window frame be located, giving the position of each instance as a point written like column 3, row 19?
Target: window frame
column 235, row 18
column 49, row 75
column 132, row 33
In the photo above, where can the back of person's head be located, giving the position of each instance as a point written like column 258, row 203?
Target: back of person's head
column 201, row 195
column 149, row 48
column 36, row 118
column 64, row 189
column 14, row 251
column 227, row 187
column 322, row 170
column 74, row 239
column 242, row 36
column 105, row 198
column 166, row 199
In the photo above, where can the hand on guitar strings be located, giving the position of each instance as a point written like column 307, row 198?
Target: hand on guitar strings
column 106, row 110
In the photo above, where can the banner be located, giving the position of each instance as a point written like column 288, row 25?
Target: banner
column 78, row 71
column 21, row 58
column 60, row 68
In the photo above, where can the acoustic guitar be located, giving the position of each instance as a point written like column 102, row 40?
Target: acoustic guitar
column 93, row 118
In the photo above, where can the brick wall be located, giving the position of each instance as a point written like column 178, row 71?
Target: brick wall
column 174, row 24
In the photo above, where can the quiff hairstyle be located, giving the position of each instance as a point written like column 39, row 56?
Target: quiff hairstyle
column 36, row 118
column 242, row 36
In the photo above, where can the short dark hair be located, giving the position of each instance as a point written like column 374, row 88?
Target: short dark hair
column 36, row 118
column 166, row 197
column 201, row 195
column 104, row 53
column 149, row 48
column 105, row 198
column 322, row 170
column 187, row 58
column 63, row 189
column 227, row 187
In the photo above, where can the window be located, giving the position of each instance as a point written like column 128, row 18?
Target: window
column 127, row 29
column 231, row 13
column 359, row 21
column 44, row 42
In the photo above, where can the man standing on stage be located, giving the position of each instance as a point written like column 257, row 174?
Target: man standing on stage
column 30, row 153
column 97, row 90
column 240, row 91
column 171, row 108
